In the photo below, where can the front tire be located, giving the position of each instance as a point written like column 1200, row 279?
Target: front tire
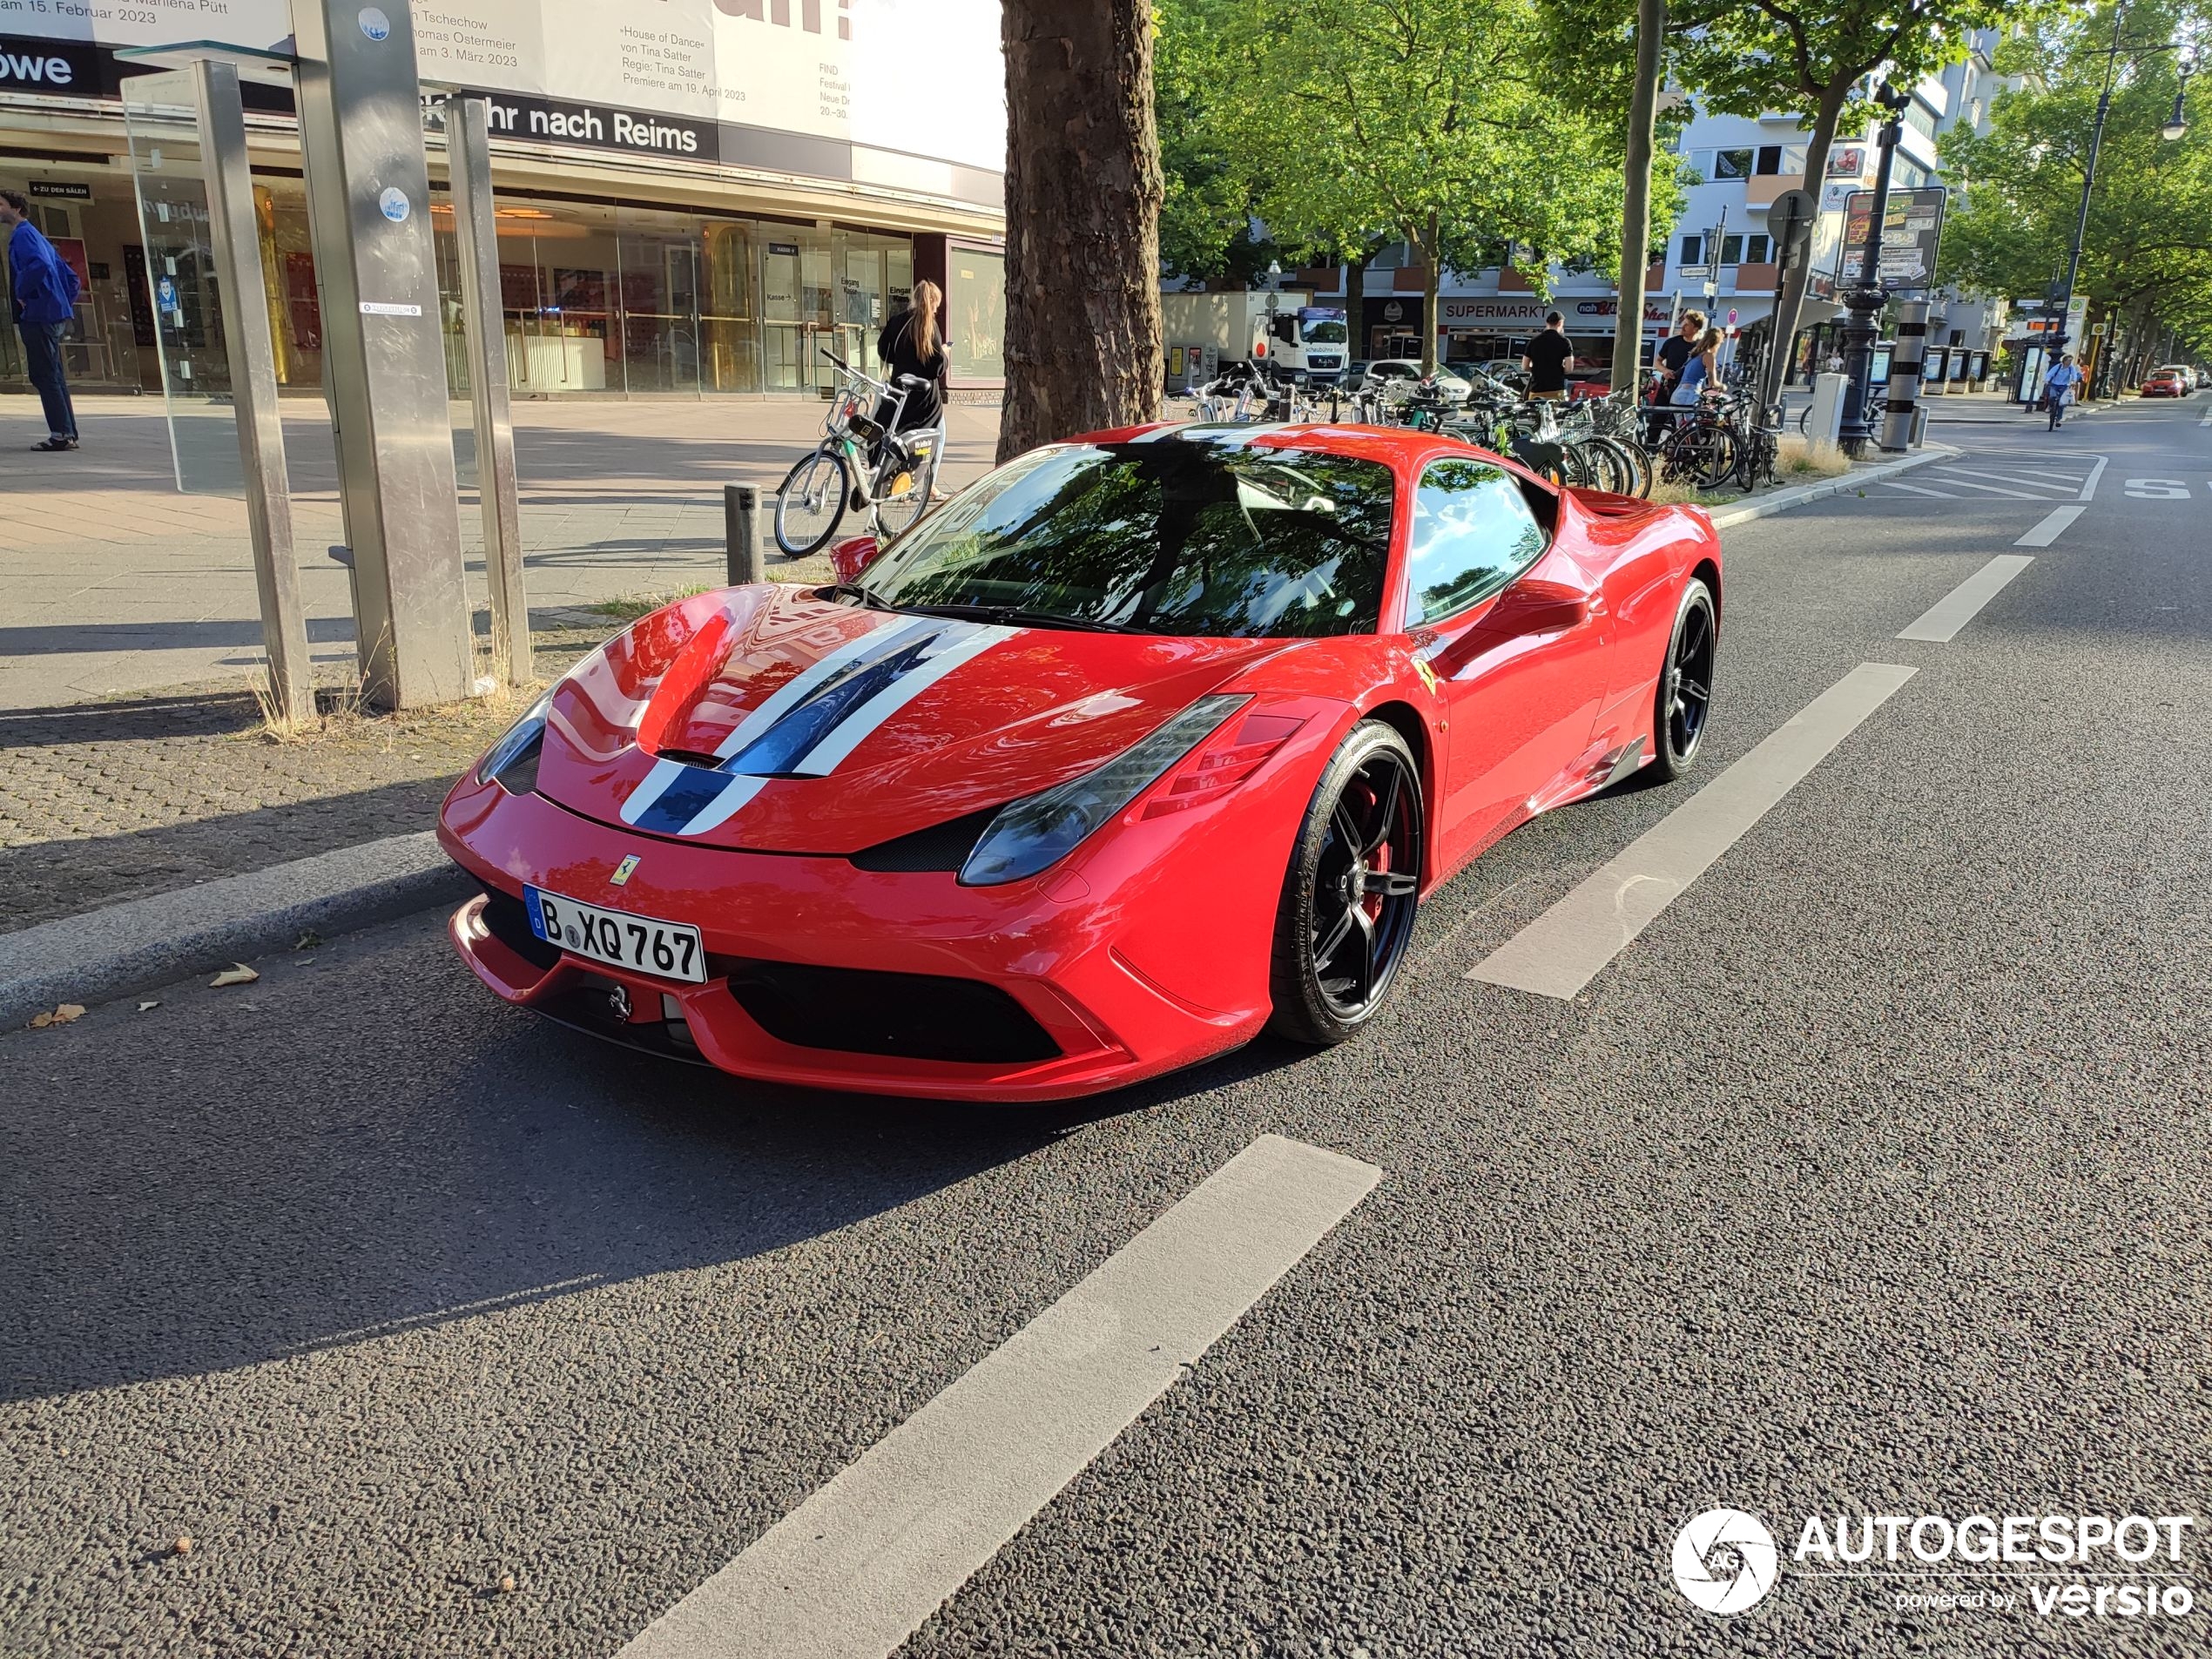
column 1685, row 698
column 1351, row 890
column 811, row 503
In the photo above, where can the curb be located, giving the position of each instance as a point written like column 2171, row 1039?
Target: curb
column 1783, row 501
column 144, row 942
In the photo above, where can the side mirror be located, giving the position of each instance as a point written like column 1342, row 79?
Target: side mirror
column 1533, row 605
column 850, row 557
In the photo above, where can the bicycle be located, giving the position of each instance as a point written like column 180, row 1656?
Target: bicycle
column 864, row 463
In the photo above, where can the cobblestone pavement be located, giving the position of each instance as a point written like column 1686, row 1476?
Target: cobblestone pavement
column 104, row 801
column 113, row 581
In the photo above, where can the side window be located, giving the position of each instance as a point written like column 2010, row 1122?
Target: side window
column 1473, row 533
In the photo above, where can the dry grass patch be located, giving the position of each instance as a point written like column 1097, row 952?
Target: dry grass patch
column 1802, row 458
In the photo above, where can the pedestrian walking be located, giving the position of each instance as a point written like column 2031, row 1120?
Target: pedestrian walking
column 1701, row 371
column 45, row 301
column 913, row 343
column 1548, row 358
column 2060, row 387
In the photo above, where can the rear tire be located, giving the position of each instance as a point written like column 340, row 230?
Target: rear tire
column 811, row 503
column 898, row 510
column 1351, row 891
column 1683, row 701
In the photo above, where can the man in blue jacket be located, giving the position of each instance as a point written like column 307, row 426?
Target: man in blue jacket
column 45, row 296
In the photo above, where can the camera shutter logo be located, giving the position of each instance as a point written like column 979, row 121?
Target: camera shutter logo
column 1725, row 1560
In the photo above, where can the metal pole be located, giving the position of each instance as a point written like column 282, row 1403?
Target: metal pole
column 2088, row 182
column 1866, row 300
column 741, row 534
column 476, row 241
column 235, row 236
column 368, row 206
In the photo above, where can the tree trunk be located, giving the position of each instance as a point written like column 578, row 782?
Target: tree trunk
column 1082, row 221
column 1432, row 282
column 1791, row 299
column 1355, row 287
column 1636, row 202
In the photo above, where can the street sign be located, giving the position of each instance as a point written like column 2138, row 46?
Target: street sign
column 1788, row 220
column 1911, row 229
column 1731, row 316
column 1694, row 271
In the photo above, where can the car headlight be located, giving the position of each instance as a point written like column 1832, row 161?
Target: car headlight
column 513, row 760
column 1038, row 831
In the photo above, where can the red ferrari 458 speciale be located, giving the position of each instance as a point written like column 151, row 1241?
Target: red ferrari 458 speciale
column 1145, row 741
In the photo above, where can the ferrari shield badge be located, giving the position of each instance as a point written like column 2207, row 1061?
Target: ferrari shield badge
column 621, row 877
column 1428, row 674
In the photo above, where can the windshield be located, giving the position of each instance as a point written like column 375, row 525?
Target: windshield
column 1326, row 334
column 1194, row 535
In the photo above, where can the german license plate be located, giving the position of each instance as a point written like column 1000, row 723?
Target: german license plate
column 668, row 949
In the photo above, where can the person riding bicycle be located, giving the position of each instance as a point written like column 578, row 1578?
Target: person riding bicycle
column 913, row 343
column 2060, row 386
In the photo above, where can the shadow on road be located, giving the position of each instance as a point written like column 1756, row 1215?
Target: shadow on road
column 369, row 1143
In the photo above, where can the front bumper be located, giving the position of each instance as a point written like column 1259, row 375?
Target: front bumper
column 1074, row 950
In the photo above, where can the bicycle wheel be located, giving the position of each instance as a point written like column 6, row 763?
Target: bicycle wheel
column 1631, row 465
column 903, row 491
column 1719, row 450
column 812, row 502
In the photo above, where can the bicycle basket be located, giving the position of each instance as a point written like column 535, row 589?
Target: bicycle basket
column 854, row 418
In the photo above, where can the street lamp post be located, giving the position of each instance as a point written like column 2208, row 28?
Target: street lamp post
column 2176, row 125
column 1866, row 300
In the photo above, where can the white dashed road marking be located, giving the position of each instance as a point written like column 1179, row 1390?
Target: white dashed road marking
column 855, row 1569
column 1567, row 947
column 1958, row 607
column 2054, row 522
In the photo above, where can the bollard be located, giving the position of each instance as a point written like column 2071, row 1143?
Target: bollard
column 741, row 534
column 1905, row 363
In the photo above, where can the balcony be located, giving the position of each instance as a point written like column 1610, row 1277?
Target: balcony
column 1762, row 190
column 1757, row 278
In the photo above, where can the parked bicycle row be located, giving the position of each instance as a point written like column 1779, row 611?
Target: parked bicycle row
column 1617, row 443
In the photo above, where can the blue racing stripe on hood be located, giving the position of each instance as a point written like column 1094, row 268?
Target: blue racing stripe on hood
column 690, row 793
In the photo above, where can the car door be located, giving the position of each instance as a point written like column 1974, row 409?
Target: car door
column 1511, row 628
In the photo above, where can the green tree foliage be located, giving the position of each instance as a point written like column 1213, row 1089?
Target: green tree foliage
column 1346, row 125
column 1816, row 58
column 1207, row 216
column 2146, row 255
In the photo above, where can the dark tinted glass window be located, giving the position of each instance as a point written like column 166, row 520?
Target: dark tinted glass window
column 1191, row 534
column 1473, row 533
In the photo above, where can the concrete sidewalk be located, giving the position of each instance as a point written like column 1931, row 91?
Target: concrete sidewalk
column 111, row 582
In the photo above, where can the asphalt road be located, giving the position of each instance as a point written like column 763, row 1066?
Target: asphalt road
column 1871, row 1179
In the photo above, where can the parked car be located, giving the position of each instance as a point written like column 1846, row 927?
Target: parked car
column 2187, row 375
column 1147, row 741
column 2165, row 382
column 1405, row 372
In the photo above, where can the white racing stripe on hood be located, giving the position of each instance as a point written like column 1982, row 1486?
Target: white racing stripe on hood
column 665, row 772
column 851, row 732
column 725, row 806
column 800, row 686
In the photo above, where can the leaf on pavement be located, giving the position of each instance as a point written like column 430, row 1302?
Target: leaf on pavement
column 236, row 973
column 143, row 1006
column 61, row 1015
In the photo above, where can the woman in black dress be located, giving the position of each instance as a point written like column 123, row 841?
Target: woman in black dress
column 913, row 343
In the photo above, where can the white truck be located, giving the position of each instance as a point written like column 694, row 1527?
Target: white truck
column 1284, row 334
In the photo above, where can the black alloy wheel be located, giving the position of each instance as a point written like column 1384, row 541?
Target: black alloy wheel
column 1685, row 697
column 1354, row 886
